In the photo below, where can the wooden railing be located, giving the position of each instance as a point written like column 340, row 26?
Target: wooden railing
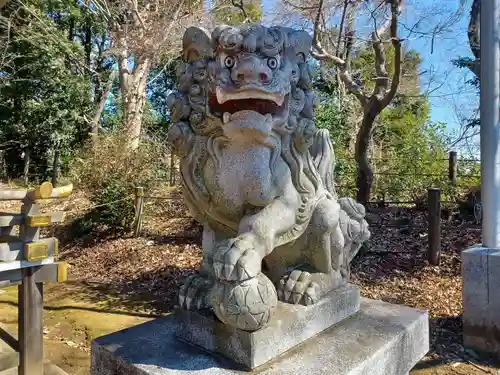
column 28, row 261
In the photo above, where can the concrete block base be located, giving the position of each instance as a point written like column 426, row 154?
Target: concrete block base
column 481, row 299
column 289, row 326
column 381, row 339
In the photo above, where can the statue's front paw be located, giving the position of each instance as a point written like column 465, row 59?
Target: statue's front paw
column 194, row 293
column 237, row 260
column 297, row 288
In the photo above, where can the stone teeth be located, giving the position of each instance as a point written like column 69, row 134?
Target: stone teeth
column 223, row 96
column 279, row 100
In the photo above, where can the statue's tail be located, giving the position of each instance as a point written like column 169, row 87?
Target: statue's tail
column 352, row 222
column 353, row 225
column 324, row 159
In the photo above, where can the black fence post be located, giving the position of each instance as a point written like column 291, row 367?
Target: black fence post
column 434, row 219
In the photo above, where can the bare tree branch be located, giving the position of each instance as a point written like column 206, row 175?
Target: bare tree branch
column 138, row 15
column 239, row 4
column 382, row 79
column 381, row 96
column 320, row 53
column 341, row 27
column 396, row 43
column 4, row 62
column 379, row 30
column 349, row 37
column 175, row 16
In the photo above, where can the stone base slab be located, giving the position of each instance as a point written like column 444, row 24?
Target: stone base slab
column 381, row 339
column 290, row 326
column 481, row 299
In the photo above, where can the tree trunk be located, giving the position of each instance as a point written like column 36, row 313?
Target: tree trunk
column 473, row 31
column 71, row 29
column 102, row 103
column 26, row 169
column 133, row 87
column 364, row 178
column 87, row 46
column 3, row 165
column 474, row 36
column 133, row 118
column 172, row 169
column 353, row 133
column 55, row 167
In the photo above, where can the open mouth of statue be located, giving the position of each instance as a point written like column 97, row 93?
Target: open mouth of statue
column 248, row 100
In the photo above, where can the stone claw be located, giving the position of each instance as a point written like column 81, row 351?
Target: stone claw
column 297, row 288
column 194, row 293
column 237, row 260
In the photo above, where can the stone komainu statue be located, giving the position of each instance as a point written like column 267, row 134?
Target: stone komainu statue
column 258, row 175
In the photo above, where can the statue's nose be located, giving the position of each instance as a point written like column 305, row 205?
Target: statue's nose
column 250, row 70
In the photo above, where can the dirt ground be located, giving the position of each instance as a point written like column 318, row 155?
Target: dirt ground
column 118, row 282
column 71, row 322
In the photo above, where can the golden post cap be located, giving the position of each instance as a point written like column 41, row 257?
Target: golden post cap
column 44, row 191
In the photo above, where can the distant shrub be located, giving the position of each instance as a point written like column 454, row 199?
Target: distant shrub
column 109, row 173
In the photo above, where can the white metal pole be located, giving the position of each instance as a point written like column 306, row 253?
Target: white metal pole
column 490, row 124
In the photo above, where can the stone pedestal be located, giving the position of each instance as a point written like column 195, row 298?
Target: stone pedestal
column 290, row 326
column 380, row 339
column 481, row 299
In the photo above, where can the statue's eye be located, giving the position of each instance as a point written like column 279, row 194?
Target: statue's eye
column 272, row 62
column 229, row 61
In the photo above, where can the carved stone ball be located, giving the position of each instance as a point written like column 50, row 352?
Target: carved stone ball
column 247, row 305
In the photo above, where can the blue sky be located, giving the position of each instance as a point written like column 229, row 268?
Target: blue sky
column 453, row 97
column 450, row 97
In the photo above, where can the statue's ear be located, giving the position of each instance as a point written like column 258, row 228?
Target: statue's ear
column 196, row 44
column 301, row 43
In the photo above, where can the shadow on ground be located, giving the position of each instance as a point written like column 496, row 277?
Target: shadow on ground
column 447, row 354
column 150, row 294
